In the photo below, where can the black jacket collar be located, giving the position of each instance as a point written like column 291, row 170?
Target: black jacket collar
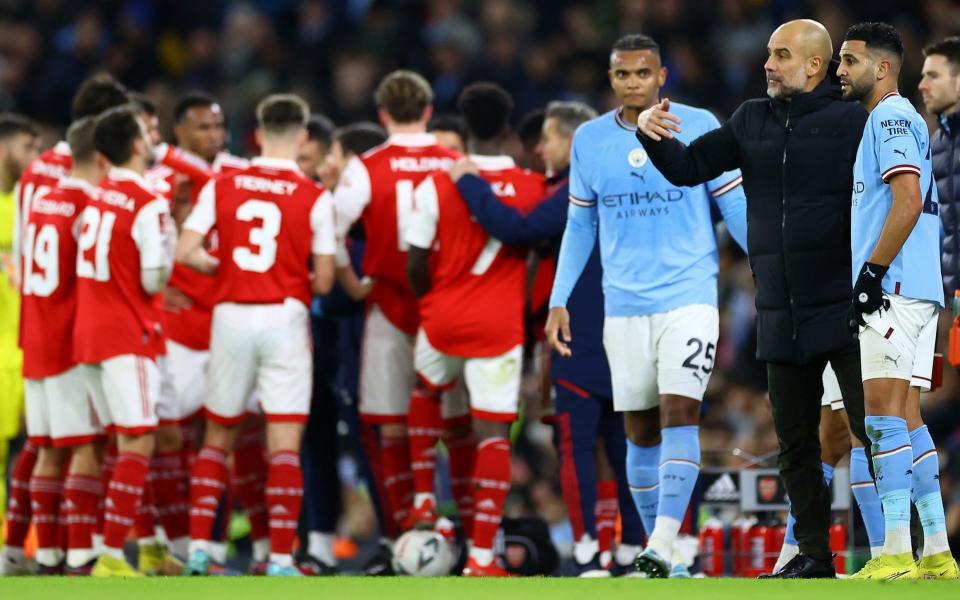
column 827, row 92
column 950, row 124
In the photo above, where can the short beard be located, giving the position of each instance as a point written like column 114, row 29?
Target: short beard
column 854, row 93
column 786, row 92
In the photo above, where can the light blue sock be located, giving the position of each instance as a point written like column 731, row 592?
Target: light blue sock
column 865, row 493
column 892, row 464
column 926, row 491
column 644, row 484
column 679, row 469
column 790, row 538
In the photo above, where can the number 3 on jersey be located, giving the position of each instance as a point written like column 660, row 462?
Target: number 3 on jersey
column 264, row 237
column 95, row 235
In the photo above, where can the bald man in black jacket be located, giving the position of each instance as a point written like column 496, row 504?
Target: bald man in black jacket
column 796, row 149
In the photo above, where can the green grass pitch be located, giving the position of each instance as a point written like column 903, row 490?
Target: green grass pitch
column 362, row 588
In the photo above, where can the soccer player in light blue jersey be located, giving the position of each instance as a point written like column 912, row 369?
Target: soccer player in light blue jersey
column 897, row 295
column 659, row 255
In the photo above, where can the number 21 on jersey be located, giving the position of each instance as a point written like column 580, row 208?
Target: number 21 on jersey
column 95, row 234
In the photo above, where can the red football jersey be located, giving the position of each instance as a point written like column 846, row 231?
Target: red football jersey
column 191, row 327
column 475, row 305
column 124, row 229
column 49, row 254
column 378, row 187
column 270, row 220
column 43, row 174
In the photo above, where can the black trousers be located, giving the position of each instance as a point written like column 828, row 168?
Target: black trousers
column 795, row 394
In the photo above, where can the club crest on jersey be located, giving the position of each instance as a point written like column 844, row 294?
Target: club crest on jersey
column 637, row 157
column 503, row 188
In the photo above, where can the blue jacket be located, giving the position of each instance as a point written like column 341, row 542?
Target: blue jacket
column 946, row 170
column 587, row 368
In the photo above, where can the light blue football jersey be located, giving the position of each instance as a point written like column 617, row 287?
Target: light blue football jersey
column 895, row 140
column 657, row 242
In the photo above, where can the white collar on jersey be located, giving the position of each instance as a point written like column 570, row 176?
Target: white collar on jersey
column 120, row 174
column 63, row 148
column 412, row 140
column 276, row 163
column 492, row 163
column 78, row 184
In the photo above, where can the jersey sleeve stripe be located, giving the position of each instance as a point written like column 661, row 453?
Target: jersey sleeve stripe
column 730, row 185
column 897, row 169
column 582, row 202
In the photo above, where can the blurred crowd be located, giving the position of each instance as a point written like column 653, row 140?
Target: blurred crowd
column 333, row 52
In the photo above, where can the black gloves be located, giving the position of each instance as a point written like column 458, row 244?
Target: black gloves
column 867, row 295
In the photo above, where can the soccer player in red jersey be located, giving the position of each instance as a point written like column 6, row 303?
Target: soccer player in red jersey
column 271, row 220
column 96, row 94
column 124, row 258
column 59, row 419
column 472, row 295
column 377, row 188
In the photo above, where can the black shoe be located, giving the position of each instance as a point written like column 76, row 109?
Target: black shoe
column 57, row 569
column 805, row 567
column 314, row 567
column 381, row 565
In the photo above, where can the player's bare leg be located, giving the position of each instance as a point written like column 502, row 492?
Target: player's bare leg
column 679, row 467
column 46, row 494
column 83, row 492
column 937, row 562
column 284, row 492
column 491, row 482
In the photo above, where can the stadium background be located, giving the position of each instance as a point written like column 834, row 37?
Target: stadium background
column 334, row 51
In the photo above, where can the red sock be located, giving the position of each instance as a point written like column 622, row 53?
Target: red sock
column 45, row 496
column 397, row 481
column 106, row 474
column 18, row 506
column 424, row 427
column 82, row 496
column 170, row 493
column 606, row 511
column 145, row 523
column 461, row 455
column 370, row 443
column 491, row 482
column 123, row 497
column 249, row 480
column 284, row 495
column 207, row 481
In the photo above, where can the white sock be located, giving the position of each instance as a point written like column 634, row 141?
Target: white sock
column 199, row 546
column 876, row 551
column 482, row 556
column 114, row 552
column 49, row 557
column 606, row 558
column 218, row 552
column 77, row 557
column 677, row 557
column 420, row 498
column 787, row 553
column 179, row 546
column 665, row 530
column 14, row 552
column 261, row 550
column 897, row 541
column 320, row 546
column 97, row 539
column 932, row 544
column 626, row 553
column 147, row 541
column 284, row 560
column 585, row 549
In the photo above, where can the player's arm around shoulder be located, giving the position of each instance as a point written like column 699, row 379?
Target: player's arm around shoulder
column 420, row 233
column 154, row 234
column 190, row 250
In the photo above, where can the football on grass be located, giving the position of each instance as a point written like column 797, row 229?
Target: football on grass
column 423, row 554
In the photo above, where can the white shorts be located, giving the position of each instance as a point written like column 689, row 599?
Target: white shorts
column 663, row 353
column 58, row 410
column 125, row 391
column 493, row 383
column 455, row 405
column 187, row 370
column 832, row 396
column 899, row 343
column 386, row 370
column 264, row 348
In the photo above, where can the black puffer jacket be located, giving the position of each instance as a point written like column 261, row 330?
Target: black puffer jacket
column 797, row 162
column 946, row 170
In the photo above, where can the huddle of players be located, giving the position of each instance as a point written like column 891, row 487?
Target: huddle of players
column 106, row 311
